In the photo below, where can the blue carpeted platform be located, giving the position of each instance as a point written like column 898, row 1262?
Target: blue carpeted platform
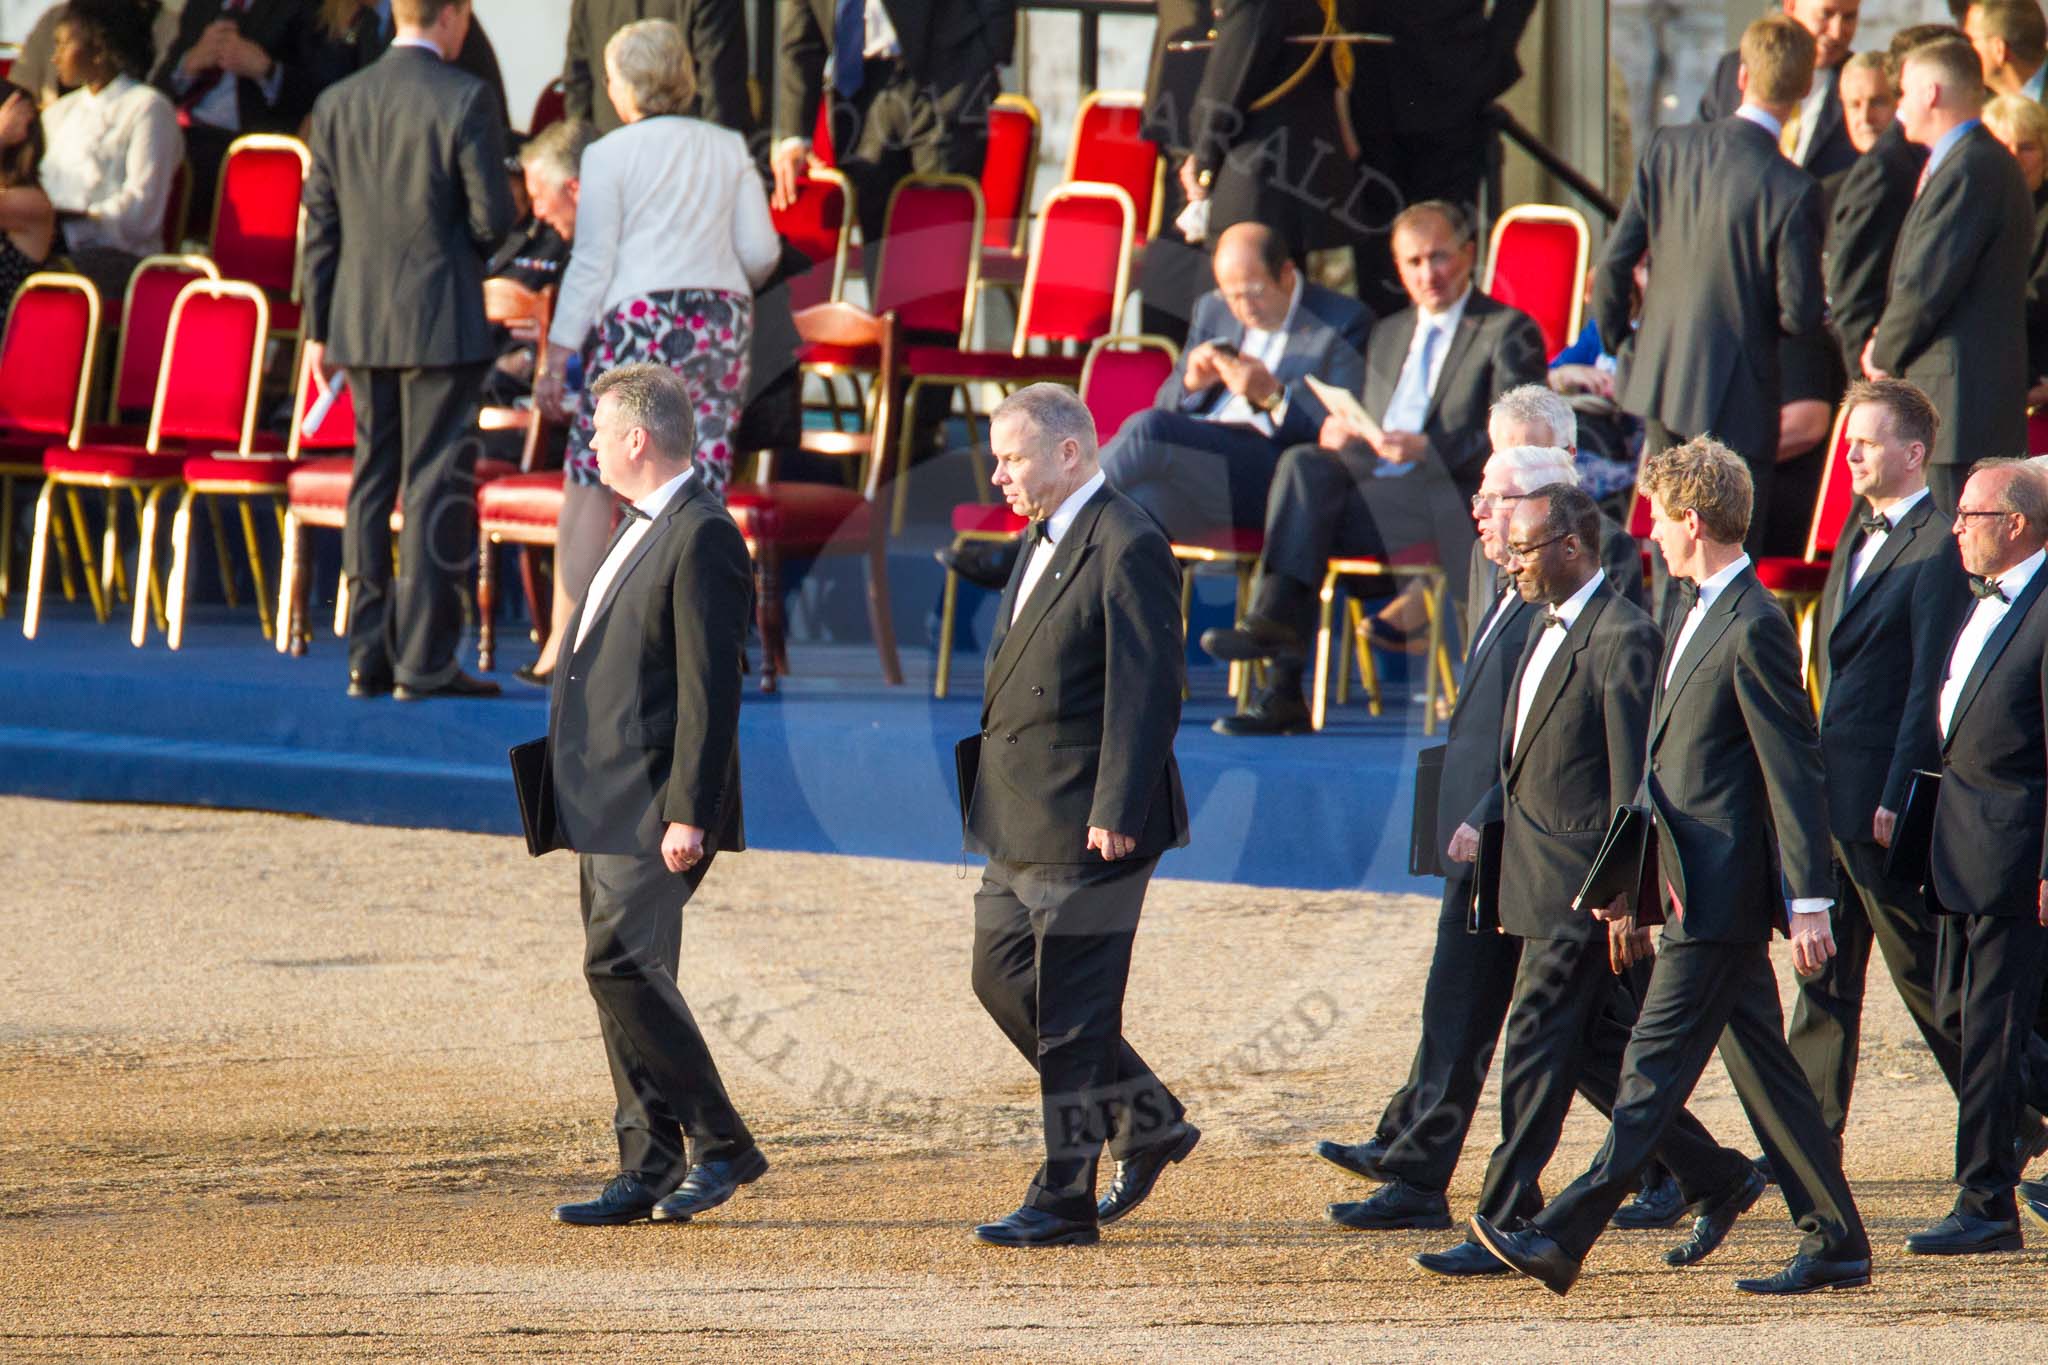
column 837, row 763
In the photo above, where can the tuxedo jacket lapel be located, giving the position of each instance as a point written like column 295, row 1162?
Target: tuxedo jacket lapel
column 1067, row 556
column 1551, row 685
column 1895, row 543
column 636, row 554
column 1711, row 628
column 1987, row 658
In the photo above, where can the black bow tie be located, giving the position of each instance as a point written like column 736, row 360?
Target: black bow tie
column 633, row 513
column 1688, row 592
column 1551, row 618
column 1986, row 588
column 1874, row 525
column 1041, row 530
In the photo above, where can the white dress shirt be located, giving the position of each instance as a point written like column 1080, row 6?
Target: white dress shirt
column 1709, row 590
column 1056, row 526
column 110, row 156
column 1548, row 641
column 1985, row 614
column 1867, row 551
column 664, row 203
column 1424, row 365
column 880, row 38
column 654, row 504
column 1266, row 347
column 1502, row 605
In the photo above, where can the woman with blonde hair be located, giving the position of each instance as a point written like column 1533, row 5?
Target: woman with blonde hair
column 2022, row 125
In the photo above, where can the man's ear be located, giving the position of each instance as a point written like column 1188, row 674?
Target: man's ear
column 1742, row 77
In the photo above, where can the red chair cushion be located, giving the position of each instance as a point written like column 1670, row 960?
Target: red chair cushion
column 928, row 249
column 284, row 314
column 1006, row 174
column 112, row 462
column 1109, row 145
column 1782, row 573
column 205, row 469
column 43, row 360
column 944, row 361
column 521, row 499
column 1238, row 540
column 321, row 483
column 1122, row 383
column 1536, row 269
column 797, row 516
column 846, row 357
column 256, row 238
column 989, row 518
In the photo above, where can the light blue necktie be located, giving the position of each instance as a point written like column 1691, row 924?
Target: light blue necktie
column 1410, row 404
column 849, row 38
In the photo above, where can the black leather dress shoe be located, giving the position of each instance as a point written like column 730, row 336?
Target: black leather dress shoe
column 2033, row 1197
column 626, row 1199
column 1274, row 713
column 984, row 563
column 1530, row 1252
column 1763, row 1168
column 1658, row 1204
column 1959, row 1234
column 461, row 685
column 1250, row 640
column 1361, row 1159
column 1460, row 1262
column 709, row 1184
column 1396, row 1204
column 1803, row 1275
column 1717, row 1215
column 1138, row 1173
column 1029, row 1227
column 368, row 684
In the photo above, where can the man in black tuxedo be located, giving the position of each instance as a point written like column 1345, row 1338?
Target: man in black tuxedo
column 1955, row 323
column 1985, row 867
column 1733, row 232
column 1894, row 593
column 1432, row 372
column 1867, row 205
column 1570, row 755
column 715, row 32
column 237, row 66
column 1072, row 792
column 643, row 752
column 406, row 199
column 1733, row 754
column 1812, row 135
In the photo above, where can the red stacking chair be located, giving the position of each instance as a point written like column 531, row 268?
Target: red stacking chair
column 807, row 520
column 821, row 135
column 259, row 228
column 205, row 400
column 316, row 494
column 1797, row 582
column 819, row 224
column 1110, row 147
column 1007, row 172
column 1536, row 261
column 153, row 287
column 46, row 358
column 523, row 507
column 551, row 107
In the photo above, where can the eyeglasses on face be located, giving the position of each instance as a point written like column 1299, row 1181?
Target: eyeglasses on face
column 1525, row 553
column 1486, row 502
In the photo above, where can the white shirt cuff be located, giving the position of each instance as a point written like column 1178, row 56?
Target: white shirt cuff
column 1812, row 905
column 800, row 143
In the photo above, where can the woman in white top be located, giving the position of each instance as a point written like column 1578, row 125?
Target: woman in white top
column 672, row 235
column 112, row 145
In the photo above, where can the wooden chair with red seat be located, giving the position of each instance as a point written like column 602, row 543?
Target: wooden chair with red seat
column 46, row 363
column 1074, row 293
column 259, row 225
column 1008, row 170
column 518, row 508
column 1797, row 581
column 1536, row 261
column 781, row 520
column 552, row 106
column 1120, row 375
column 205, row 400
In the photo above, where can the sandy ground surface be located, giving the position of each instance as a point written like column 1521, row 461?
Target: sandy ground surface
column 289, row 1090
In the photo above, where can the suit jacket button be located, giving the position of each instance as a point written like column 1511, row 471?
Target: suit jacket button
column 984, row 734
column 1037, row 691
column 1009, row 739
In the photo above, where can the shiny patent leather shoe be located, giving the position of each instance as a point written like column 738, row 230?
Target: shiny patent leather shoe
column 1361, row 1159
column 1658, row 1204
column 625, row 1199
column 1029, row 1227
column 461, row 685
column 1803, row 1275
column 1137, row 1174
column 1529, row 1252
column 1716, row 1217
column 1960, row 1234
column 1462, row 1261
column 1396, row 1204
column 709, row 1184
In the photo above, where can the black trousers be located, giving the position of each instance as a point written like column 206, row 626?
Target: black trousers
column 1990, row 983
column 1464, row 1001
column 1052, row 954
column 1945, row 486
column 1190, row 474
column 672, row 1106
column 1702, row 995
column 1568, row 1031
column 414, row 434
column 1827, row 1022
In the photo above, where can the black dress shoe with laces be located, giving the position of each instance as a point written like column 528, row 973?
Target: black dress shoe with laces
column 1529, row 1252
column 1251, row 640
column 1139, row 1172
column 1274, row 713
column 1803, row 1275
column 1716, row 1216
column 1029, row 1227
column 1961, row 1234
column 1460, row 1262
column 1396, row 1204
column 1659, row 1204
column 461, row 685
column 626, row 1199
column 362, row 685
column 709, row 1184
column 1361, row 1159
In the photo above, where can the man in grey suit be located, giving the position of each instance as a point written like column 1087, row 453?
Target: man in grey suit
column 406, row 199
column 1072, row 792
column 1955, row 322
column 1733, row 231
column 1432, row 373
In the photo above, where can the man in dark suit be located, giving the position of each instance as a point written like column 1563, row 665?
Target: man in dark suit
column 1733, row 232
column 237, row 66
column 1733, row 753
column 1985, row 868
column 1812, row 135
column 643, row 752
column 1894, row 593
column 1072, row 792
column 1173, row 273
column 1955, row 323
column 1432, row 373
column 715, row 31
column 406, row 198
column 1570, row 755
column 1867, row 206
column 909, row 84
column 2011, row 39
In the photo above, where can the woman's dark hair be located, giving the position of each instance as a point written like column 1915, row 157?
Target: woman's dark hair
column 123, row 29
column 18, row 163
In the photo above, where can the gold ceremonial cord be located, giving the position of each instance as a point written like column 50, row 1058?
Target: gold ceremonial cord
column 1341, row 62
